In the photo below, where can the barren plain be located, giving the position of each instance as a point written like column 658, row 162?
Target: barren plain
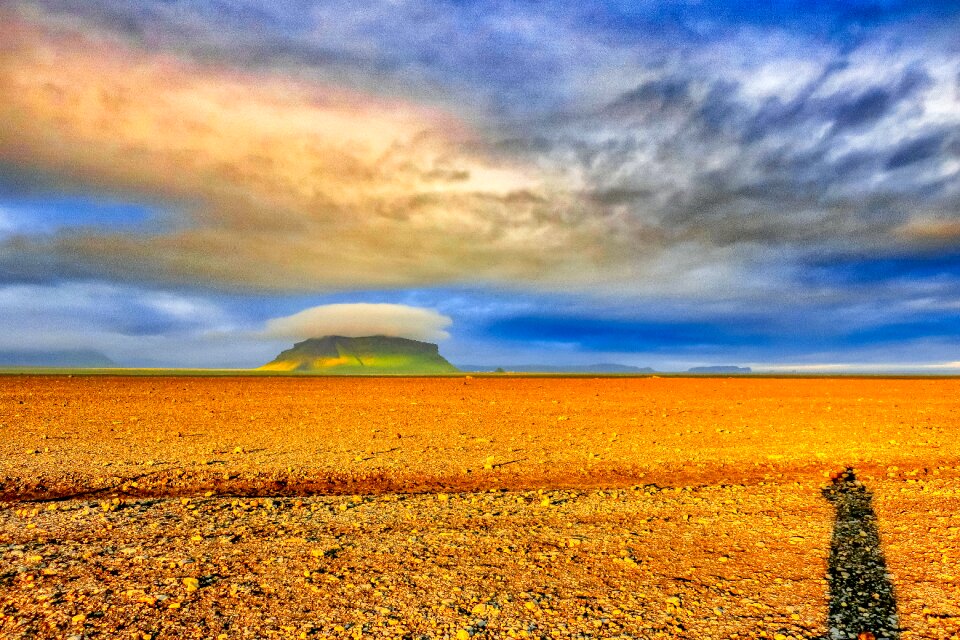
column 258, row 507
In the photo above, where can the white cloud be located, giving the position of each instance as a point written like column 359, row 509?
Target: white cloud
column 180, row 307
column 361, row 319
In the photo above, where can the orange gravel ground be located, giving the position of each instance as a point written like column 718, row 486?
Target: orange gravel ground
column 249, row 507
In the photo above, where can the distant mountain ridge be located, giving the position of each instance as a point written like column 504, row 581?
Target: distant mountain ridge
column 720, row 369
column 369, row 355
column 573, row 368
column 59, row 359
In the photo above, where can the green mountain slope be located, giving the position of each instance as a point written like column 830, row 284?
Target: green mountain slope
column 371, row 355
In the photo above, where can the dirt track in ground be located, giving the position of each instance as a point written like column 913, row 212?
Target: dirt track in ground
column 648, row 507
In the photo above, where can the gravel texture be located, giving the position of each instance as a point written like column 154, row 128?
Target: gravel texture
column 478, row 507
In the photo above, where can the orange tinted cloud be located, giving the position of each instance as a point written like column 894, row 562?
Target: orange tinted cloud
column 931, row 230
column 272, row 183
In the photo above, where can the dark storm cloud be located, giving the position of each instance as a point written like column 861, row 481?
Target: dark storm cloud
column 916, row 150
column 700, row 159
column 844, row 109
column 659, row 95
column 245, row 34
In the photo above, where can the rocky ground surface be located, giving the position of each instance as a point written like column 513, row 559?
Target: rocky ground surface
column 487, row 507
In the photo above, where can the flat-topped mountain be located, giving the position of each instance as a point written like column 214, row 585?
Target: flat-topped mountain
column 371, row 355
column 720, row 369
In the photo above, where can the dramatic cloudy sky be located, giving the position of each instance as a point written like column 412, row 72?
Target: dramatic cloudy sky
column 193, row 182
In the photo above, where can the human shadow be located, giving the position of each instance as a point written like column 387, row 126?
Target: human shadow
column 863, row 602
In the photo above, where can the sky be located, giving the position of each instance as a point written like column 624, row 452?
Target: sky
column 200, row 183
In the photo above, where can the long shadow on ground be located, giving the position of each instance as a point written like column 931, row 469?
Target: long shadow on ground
column 863, row 603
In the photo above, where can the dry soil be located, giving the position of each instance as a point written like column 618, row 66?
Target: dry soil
column 252, row 507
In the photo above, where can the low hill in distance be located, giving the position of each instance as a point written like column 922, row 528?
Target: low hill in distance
column 371, row 355
column 62, row 359
column 572, row 368
column 720, row 369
